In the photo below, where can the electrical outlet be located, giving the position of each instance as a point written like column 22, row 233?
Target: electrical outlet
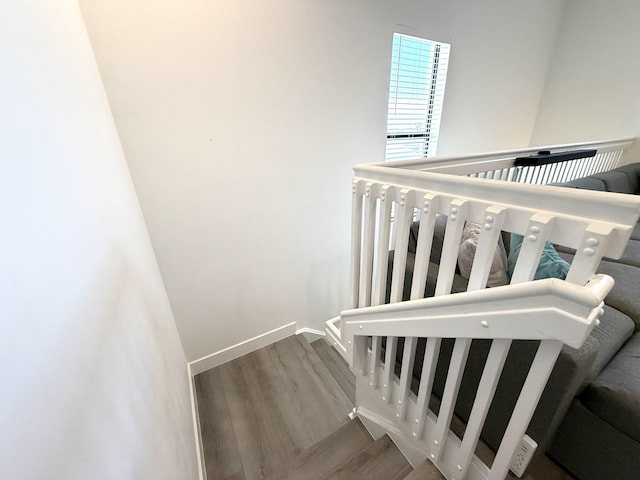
column 523, row 455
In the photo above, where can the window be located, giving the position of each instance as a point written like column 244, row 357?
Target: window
column 416, row 91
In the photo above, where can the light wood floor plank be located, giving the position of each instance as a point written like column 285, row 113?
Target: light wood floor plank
column 286, row 406
column 263, row 441
column 269, row 405
column 221, row 455
column 427, row 471
column 309, row 395
column 338, row 367
column 322, row 377
column 343, row 444
column 381, row 461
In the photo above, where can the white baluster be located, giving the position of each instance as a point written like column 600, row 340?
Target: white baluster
column 429, row 364
column 484, row 396
column 487, row 243
column 359, row 354
column 423, row 249
column 406, row 374
column 450, row 395
column 374, row 361
column 404, row 215
column 535, row 236
column 451, row 246
column 537, row 377
column 589, row 253
column 356, row 240
column 366, row 272
column 562, row 174
column 389, row 368
column 382, row 246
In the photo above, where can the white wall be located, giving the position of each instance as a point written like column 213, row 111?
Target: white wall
column 93, row 376
column 241, row 121
column 592, row 90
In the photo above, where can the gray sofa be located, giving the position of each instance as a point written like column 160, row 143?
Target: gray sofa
column 588, row 418
column 599, row 437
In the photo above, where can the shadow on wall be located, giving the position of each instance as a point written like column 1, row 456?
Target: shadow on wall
column 117, row 395
column 328, row 285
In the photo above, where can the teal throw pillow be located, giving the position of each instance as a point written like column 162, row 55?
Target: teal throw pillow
column 551, row 264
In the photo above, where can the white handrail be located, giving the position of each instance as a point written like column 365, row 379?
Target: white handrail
column 544, row 309
column 478, row 162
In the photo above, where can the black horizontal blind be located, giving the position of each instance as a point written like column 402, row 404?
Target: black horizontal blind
column 416, row 92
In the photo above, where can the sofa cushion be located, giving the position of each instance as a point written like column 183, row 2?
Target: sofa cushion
column 459, row 283
column 437, row 241
column 635, row 235
column 616, row 181
column 606, row 339
column 590, row 448
column 587, row 183
column 551, row 265
column 615, row 394
column 633, row 172
column 631, row 254
column 624, row 294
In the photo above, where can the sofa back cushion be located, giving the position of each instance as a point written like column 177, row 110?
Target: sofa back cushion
column 633, row 172
column 586, row 183
column 616, row 181
column 615, row 395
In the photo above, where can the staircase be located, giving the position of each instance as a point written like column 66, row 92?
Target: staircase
column 350, row 452
column 280, row 413
column 409, row 220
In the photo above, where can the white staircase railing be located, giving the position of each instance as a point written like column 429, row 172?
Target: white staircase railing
column 501, row 165
column 554, row 312
column 550, row 310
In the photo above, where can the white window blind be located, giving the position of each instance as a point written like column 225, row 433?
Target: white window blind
column 416, row 92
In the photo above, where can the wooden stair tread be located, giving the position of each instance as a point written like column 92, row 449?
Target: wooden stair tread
column 257, row 413
column 338, row 367
column 380, row 461
column 426, row 471
column 331, row 452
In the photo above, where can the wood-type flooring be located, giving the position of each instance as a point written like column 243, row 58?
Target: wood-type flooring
column 260, row 411
column 280, row 413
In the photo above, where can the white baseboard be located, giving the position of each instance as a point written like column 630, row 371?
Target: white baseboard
column 310, row 334
column 242, row 348
column 202, row 472
column 218, row 358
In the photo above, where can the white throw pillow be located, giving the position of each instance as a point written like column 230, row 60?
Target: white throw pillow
column 468, row 245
